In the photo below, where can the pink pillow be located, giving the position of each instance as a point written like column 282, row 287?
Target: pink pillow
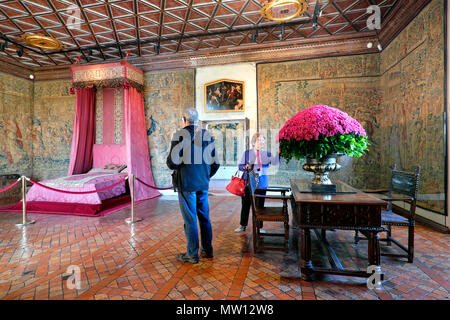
column 113, row 166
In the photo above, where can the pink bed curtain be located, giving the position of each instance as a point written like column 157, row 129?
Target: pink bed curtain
column 136, row 142
column 83, row 137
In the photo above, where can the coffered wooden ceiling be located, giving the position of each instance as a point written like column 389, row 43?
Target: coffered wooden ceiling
column 111, row 29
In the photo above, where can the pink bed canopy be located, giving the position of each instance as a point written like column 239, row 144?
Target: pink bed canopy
column 133, row 146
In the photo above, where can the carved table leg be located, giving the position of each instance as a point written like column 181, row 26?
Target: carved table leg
column 324, row 234
column 374, row 253
column 305, row 254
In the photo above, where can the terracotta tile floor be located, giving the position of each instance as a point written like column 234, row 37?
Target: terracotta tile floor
column 121, row 261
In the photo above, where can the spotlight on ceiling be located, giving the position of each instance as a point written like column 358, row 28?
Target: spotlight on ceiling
column 380, row 47
column 31, row 76
column 20, row 52
column 4, row 45
column 282, row 33
column 89, row 55
column 369, row 45
column 254, row 36
column 317, row 13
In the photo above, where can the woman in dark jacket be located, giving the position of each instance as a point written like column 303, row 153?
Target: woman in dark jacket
column 258, row 160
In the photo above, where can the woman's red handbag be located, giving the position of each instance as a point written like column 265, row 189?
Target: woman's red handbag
column 237, row 185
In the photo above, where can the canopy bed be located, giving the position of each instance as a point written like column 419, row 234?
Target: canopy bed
column 109, row 143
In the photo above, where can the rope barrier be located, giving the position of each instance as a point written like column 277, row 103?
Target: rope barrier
column 79, row 192
column 153, row 187
column 22, row 179
column 82, row 192
column 7, row 188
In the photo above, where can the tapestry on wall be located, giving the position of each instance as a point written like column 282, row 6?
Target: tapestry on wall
column 89, row 190
column 397, row 95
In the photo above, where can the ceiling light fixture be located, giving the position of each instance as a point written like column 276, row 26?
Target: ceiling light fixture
column 43, row 42
column 283, row 10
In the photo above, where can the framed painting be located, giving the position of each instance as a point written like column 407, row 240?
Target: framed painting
column 224, row 96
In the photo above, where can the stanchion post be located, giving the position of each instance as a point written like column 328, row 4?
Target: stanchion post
column 132, row 219
column 25, row 222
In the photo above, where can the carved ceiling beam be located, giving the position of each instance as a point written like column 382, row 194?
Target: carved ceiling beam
column 333, row 45
column 398, row 19
column 12, row 67
column 289, row 50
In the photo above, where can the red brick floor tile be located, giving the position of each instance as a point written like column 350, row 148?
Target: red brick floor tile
column 122, row 262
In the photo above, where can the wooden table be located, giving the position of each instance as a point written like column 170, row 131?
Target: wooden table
column 349, row 209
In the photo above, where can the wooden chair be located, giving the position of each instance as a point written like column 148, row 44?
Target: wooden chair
column 267, row 213
column 405, row 184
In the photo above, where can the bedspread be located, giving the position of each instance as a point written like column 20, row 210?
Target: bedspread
column 79, row 183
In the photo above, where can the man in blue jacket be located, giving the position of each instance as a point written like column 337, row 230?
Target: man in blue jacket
column 192, row 152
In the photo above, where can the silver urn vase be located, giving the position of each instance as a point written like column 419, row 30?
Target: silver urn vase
column 321, row 168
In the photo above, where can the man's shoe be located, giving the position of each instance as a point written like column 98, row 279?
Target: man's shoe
column 184, row 257
column 205, row 255
column 241, row 229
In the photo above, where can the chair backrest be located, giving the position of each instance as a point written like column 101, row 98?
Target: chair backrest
column 406, row 183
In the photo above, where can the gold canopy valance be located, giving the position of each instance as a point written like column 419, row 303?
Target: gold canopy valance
column 111, row 75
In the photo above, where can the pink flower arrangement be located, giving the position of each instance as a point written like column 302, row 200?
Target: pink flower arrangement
column 319, row 131
column 318, row 120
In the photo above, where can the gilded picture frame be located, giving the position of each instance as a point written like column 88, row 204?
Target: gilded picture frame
column 224, row 95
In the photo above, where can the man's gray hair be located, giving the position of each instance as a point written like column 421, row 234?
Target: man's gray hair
column 190, row 115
